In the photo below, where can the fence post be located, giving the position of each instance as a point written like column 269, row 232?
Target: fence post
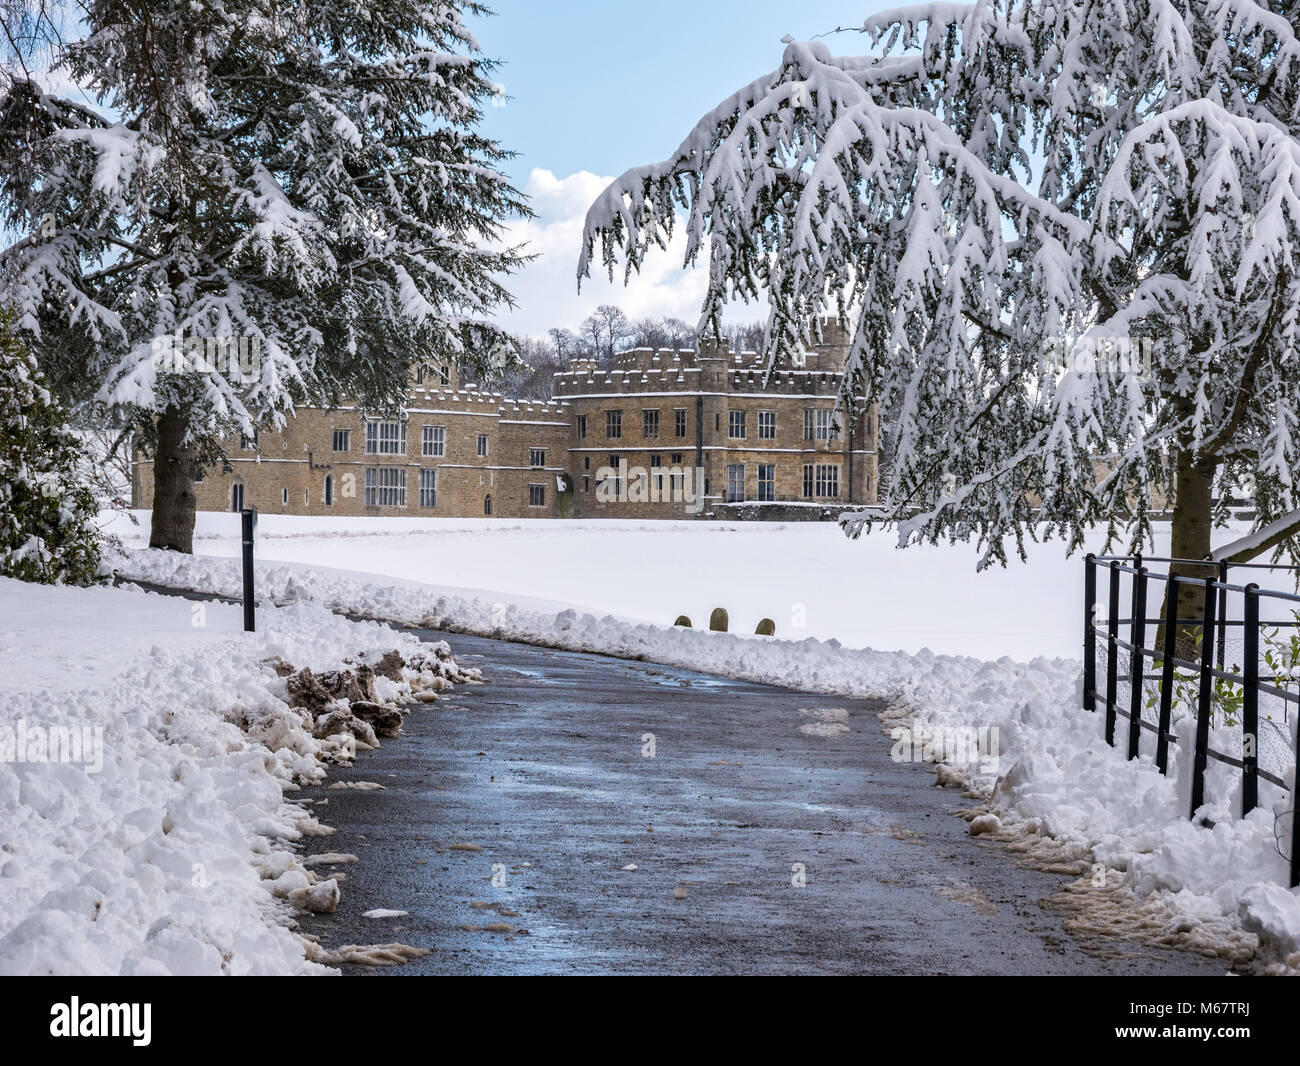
column 1250, row 704
column 1295, row 819
column 246, row 516
column 1223, row 614
column 1112, row 659
column 1167, row 674
column 1090, row 632
column 1204, row 704
column 1138, row 638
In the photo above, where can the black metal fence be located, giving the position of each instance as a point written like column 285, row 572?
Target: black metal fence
column 1240, row 685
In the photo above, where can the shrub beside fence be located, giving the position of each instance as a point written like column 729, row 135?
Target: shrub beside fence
column 1148, row 682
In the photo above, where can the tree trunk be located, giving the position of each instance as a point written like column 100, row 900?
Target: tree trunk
column 1190, row 539
column 174, row 467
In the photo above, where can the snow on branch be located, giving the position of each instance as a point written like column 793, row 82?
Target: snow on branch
column 1063, row 236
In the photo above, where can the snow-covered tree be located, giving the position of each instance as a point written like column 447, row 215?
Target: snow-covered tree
column 47, row 517
column 271, row 204
column 1064, row 235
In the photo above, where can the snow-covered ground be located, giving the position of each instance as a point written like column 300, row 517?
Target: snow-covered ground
column 1059, row 792
column 807, row 577
column 157, row 838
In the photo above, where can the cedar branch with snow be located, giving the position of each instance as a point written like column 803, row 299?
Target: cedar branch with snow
column 1064, row 237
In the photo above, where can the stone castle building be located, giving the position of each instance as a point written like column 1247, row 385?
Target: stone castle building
column 664, row 434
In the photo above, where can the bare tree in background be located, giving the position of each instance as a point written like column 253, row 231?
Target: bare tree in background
column 607, row 328
column 680, row 334
column 565, row 343
column 745, row 336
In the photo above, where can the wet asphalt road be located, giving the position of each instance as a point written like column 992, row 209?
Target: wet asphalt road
column 545, row 769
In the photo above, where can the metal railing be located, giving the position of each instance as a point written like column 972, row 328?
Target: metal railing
column 1166, row 665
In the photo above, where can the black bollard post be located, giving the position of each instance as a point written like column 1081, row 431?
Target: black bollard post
column 248, row 516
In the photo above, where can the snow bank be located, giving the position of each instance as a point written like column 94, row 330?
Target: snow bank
column 160, row 840
column 1064, row 798
column 806, row 576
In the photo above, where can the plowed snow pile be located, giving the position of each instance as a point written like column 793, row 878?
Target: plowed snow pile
column 147, row 749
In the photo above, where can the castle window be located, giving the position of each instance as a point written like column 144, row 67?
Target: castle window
column 343, row 440
column 735, row 482
column 444, row 374
column 767, row 425
column 650, row 423
column 385, row 486
column 808, row 481
column 679, row 421
column 767, row 482
column 586, row 462
column 582, row 427
column 615, row 480
column 237, row 496
column 825, row 425
column 386, row 438
column 536, row 456
column 428, row 487
column 586, row 483
column 613, row 424
column 482, row 445
column 329, row 490
column 284, row 497
column 809, row 433
column 827, row 480
column 433, row 440
column 677, row 459
column 248, row 443
column 536, row 495
column 736, row 425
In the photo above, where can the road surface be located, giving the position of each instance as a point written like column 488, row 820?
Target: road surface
column 513, row 810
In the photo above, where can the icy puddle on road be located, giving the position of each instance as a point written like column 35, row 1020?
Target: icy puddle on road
column 580, row 814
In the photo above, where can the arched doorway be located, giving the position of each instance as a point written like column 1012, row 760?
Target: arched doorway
column 237, row 496
column 329, row 490
column 487, row 504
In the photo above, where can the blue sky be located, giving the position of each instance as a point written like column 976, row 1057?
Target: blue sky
column 603, row 85
column 598, row 86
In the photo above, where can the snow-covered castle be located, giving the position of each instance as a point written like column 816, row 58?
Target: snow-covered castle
column 665, row 434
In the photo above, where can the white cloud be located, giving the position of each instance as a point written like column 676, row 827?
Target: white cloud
column 546, row 290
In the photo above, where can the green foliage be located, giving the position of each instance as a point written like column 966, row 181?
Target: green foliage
column 1281, row 657
column 1225, row 695
column 47, row 519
